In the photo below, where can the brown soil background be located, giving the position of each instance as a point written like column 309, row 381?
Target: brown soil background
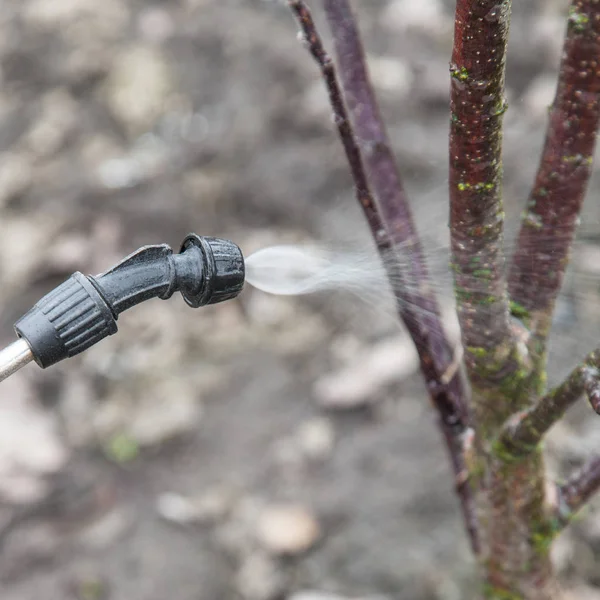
column 131, row 123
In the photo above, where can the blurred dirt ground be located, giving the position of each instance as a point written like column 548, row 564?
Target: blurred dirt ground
column 229, row 453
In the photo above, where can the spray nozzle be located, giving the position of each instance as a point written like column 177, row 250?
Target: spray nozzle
column 84, row 309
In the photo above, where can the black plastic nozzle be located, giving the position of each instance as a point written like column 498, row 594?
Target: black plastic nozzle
column 84, row 309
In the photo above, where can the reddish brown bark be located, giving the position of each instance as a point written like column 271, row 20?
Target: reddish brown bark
column 416, row 302
column 554, row 204
column 391, row 225
column 515, row 525
column 582, row 485
column 340, row 117
column 525, row 431
column 509, row 496
column 476, row 214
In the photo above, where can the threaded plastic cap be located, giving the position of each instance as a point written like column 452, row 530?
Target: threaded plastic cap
column 223, row 270
column 67, row 321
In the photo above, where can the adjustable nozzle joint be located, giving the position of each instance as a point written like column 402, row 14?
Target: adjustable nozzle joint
column 84, row 309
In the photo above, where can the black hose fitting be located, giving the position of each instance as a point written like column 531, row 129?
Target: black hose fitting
column 84, row 309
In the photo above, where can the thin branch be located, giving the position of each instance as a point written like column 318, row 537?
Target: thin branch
column 555, row 201
column 524, row 432
column 392, row 228
column 476, row 213
column 457, row 446
column 591, row 387
column 340, row 116
column 409, row 277
column 578, row 490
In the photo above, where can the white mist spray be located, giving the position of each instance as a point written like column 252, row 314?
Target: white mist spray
column 295, row 270
column 305, row 269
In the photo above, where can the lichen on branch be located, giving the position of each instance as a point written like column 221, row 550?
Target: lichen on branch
column 476, row 212
column 509, row 496
column 524, row 431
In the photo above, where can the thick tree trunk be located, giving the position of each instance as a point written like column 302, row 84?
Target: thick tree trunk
column 516, row 525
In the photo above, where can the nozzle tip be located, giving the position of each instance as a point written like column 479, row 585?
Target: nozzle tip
column 225, row 270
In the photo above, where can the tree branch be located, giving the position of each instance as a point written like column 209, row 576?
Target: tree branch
column 406, row 265
column 578, row 490
column 391, row 225
column 364, row 196
column 551, row 216
column 524, row 431
column 476, row 212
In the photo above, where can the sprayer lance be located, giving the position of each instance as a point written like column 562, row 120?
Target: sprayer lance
column 84, row 309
